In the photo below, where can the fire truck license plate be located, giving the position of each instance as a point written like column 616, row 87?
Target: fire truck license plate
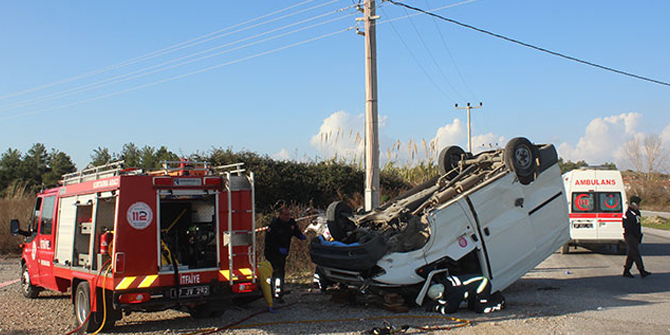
column 191, row 291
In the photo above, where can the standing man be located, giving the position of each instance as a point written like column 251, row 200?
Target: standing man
column 277, row 243
column 632, row 233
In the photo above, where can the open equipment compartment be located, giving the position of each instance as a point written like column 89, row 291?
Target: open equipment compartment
column 188, row 231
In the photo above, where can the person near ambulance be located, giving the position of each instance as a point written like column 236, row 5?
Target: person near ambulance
column 633, row 236
column 277, row 243
column 475, row 290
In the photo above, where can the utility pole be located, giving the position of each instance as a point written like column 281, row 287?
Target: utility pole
column 371, row 119
column 468, row 107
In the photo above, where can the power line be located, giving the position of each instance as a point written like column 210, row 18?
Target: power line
column 130, row 75
column 416, row 60
column 176, row 47
column 433, row 58
column 530, row 45
column 451, row 57
column 178, row 77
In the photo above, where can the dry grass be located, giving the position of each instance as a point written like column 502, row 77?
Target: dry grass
column 16, row 207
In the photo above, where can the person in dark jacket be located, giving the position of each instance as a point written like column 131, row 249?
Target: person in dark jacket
column 449, row 292
column 277, row 243
column 632, row 234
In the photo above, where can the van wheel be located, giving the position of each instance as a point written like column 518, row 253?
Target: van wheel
column 565, row 249
column 27, row 288
column 82, row 309
column 449, row 159
column 337, row 216
column 521, row 157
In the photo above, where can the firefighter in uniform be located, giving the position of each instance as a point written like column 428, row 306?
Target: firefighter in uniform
column 449, row 292
column 632, row 234
column 277, row 243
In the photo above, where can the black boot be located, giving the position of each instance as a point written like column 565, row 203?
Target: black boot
column 644, row 273
column 627, row 274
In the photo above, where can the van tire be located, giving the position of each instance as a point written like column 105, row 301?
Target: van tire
column 29, row 290
column 449, row 159
column 565, row 249
column 337, row 216
column 521, row 157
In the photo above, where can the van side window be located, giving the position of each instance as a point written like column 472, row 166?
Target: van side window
column 609, row 201
column 47, row 215
column 583, row 202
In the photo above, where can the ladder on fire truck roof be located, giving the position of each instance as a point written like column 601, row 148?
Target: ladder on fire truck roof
column 195, row 168
column 99, row 172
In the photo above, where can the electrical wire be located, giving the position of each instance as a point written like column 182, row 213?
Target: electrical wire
column 177, row 77
column 433, row 57
column 416, row 60
column 174, row 48
column 130, row 75
column 509, row 39
column 434, row 10
column 451, row 57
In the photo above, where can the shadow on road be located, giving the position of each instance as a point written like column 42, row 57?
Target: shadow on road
column 551, row 296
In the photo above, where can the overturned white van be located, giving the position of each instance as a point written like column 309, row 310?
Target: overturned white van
column 499, row 213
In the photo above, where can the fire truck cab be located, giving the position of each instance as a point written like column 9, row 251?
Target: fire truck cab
column 596, row 201
column 124, row 240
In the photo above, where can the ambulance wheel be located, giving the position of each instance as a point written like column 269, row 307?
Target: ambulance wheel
column 28, row 289
column 565, row 249
column 521, row 157
column 449, row 159
column 82, row 309
column 621, row 248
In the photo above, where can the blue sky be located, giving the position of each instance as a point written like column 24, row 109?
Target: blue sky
column 281, row 94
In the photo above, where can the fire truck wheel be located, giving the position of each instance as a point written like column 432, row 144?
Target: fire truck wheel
column 205, row 311
column 521, row 157
column 29, row 291
column 449, row 159
column 82, row 308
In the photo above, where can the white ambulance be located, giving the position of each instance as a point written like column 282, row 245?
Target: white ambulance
column 596, row 201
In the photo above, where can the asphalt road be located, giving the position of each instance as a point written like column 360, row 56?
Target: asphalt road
column 653, row 213
column 579, row 293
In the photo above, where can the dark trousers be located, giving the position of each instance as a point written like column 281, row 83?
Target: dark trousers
column 278, row 263
column 633, row 253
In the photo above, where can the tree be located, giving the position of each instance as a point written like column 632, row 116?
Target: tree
column 34, row 165
column 10, row 167
column 163, row 154
column 59, row 163
column 570, row 165
column 148, row 158
column 131, row 155
column 647, row 155
column 101, row 156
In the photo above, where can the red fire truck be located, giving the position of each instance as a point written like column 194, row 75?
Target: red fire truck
column 122, row 240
